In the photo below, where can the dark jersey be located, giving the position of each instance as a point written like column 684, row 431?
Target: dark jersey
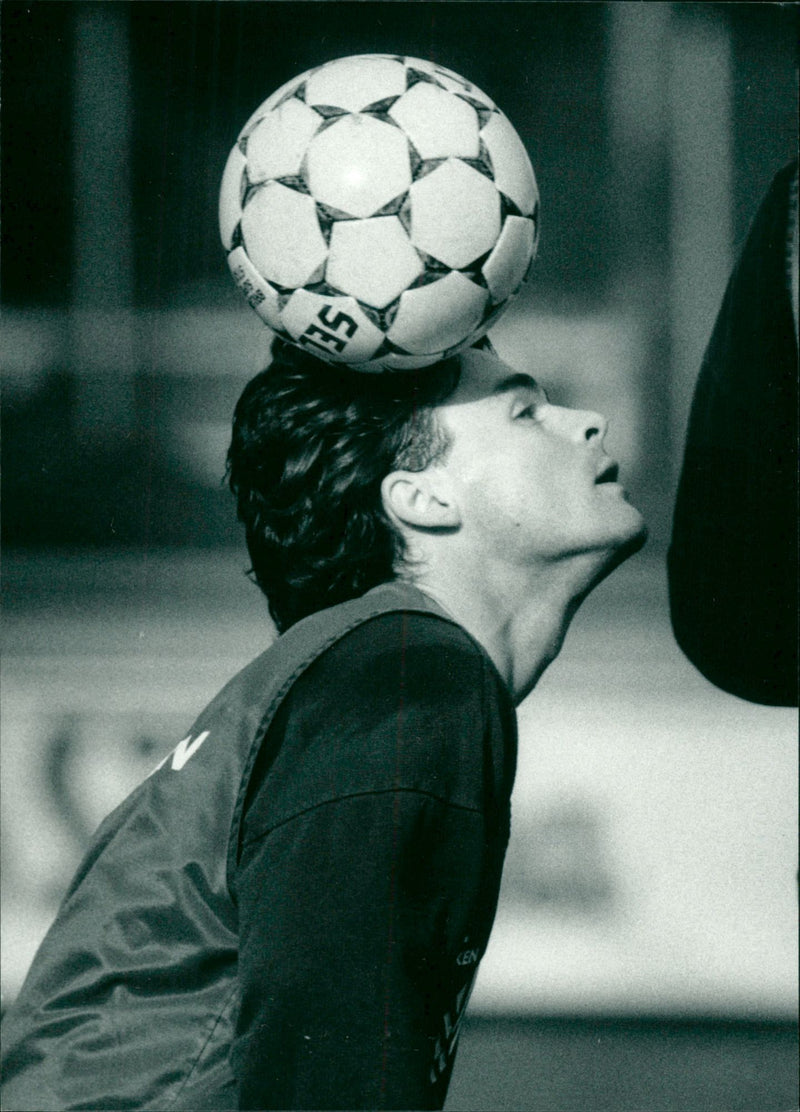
column 368, row 902
column 290, row 911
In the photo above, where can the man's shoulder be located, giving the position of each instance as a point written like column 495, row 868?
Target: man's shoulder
column 367, row 649
column 419, row 671
column 405, row 701
column 411, row 649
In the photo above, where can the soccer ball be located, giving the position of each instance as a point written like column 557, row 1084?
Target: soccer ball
column 379, row 211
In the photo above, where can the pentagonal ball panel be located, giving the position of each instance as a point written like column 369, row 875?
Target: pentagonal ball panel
column 333, row 328
column 358, row 164
column 455, row 214
column 513, row 173
column 437, row 316
column 506, row 267
column 230, row 196
column 371, row 259
column 282, row 236
column 437, row 123
column 356, row 82
column 277, row 144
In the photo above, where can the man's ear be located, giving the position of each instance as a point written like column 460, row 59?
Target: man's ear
column 417, row 499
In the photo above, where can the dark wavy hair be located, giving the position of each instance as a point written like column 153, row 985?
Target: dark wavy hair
column 311, row 445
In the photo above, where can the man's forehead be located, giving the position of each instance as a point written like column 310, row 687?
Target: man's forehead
column 485, row 375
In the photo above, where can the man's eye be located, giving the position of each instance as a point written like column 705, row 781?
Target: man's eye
column 528, row 411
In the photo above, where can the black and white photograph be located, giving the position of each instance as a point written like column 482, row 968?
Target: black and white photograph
column 399, row 702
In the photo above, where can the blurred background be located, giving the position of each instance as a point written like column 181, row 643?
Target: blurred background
column 645, row 951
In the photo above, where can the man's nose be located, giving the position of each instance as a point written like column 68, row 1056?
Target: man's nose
column 595, row 426
column 583, row 425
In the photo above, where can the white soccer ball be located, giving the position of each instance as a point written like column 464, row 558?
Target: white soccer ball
column 379, row 211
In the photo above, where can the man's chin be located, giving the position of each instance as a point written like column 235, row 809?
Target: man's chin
column 637, row 541
column 630, row 543
column 621, row 546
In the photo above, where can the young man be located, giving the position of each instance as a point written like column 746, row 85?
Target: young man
column 290, row 911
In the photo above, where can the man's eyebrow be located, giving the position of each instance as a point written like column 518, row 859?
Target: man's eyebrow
column 517, row 381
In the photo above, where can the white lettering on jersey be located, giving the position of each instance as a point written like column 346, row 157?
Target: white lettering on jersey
column 182, row 752
column 468, row 957
column 186, row 749
column 445, row 1046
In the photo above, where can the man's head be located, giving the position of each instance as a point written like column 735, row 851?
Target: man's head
column 524, row 484
column 311, row 446
column 345, row 481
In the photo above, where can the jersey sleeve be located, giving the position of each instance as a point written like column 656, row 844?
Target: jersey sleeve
column 364, row 911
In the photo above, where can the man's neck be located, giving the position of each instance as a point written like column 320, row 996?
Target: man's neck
column 520, row 619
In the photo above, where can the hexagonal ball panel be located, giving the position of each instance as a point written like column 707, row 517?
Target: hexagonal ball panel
column 230, row 196
column 455, row 214
column 506, row 267
column 435, row 317
column 353, row 83
column 513, row 173
column 371, row 259
column 277, row 144
column 272, row 100
column 282, row 236
column 421, row 64
column 358, row 165
column 260, row 296
column 437, row 123
column 332, row 328
column 394, row 361
column 458, row 84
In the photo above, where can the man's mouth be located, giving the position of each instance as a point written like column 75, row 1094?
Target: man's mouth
column 608, row 473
